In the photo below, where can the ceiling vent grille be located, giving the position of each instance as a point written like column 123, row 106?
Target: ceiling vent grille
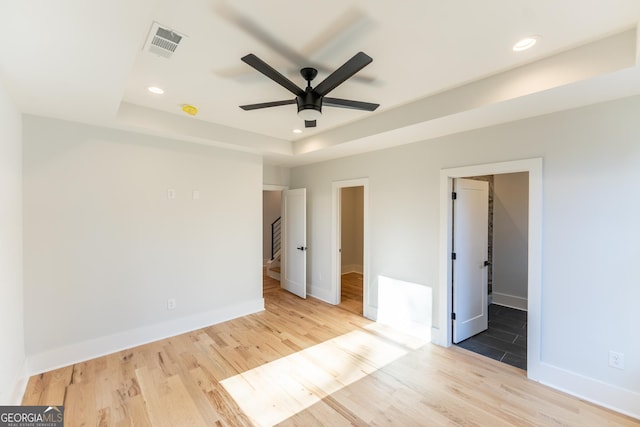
column 163, row 41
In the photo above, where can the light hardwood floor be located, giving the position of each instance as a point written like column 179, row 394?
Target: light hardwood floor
column 305, row 363
column 351, row 292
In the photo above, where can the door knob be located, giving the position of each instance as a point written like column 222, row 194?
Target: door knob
column 301, row 248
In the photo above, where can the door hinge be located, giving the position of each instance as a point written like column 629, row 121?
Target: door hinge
column 453, row 255
column 453, row 316
column 454, row 195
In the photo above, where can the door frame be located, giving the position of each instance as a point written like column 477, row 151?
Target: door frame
column 336, row 228
column 442, row 336
column 273, row 187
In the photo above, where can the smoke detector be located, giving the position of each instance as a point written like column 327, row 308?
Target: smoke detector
column 162, row 40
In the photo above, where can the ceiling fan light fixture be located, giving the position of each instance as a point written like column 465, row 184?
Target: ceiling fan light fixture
column 309, row 113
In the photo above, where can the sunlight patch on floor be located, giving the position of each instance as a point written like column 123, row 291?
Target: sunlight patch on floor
column 273, row 392
column 398, row 337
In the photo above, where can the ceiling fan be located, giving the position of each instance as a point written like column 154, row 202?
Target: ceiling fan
column 311, row 100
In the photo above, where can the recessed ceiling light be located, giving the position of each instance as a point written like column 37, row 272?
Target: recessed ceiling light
column 525, row 43
column 156, row 90
column 297, row 131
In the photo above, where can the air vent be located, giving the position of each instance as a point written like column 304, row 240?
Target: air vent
column 163, row 41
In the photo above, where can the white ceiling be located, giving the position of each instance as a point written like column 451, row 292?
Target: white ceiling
column 438, row 66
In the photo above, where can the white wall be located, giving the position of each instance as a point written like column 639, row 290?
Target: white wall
column 12, row 352
column 105, row 247
column 590, row 285
column 352, row 229
column 271, row 210
column 275, row 175
column 510, row 231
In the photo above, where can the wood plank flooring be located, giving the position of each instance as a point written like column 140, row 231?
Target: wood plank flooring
column 351, row 292
column 304, row 363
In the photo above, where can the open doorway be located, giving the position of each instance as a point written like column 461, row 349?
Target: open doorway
column 442, row 334
column 271, row 238
column 352, row 248
column 352, row 195
column 491, row 307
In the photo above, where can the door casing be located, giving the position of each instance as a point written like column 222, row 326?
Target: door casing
column 336, row 273
column 442, row 335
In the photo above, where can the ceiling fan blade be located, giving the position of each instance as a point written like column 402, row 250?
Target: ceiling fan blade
column 267, row 104
column 272, row 73
column 250, row 26
column 309, row 123
column 347, row 103
column 348, row 69
column 339, row 32
column 352, row 21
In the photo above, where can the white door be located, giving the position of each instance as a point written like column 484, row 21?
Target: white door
column 294, row 260
column 470, row 235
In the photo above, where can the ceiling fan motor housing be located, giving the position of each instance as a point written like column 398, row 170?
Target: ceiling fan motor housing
column 309, row 100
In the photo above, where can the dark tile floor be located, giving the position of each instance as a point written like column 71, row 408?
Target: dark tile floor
column 506, row 338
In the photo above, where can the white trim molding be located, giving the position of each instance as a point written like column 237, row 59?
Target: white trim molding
column 616, row 398
column 19, row 386
column 273, row 187
column 370, row 312
column 323, row 294
column 336, row 268
column 90, row 349
column 590, row 389
column 507, row 300
column 442, row 335
column 351, row 268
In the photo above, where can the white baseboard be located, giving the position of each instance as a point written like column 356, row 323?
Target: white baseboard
column 322, row 294
column 79, row 352
column 616, row 398
column 370, row 312
column 274, row 275
column 609, row 396
column 437, row 337
column 19, row 386
column 510, row 301
column 351, row 268
column 595, row 391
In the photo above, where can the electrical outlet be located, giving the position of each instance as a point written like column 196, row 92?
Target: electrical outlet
column 616, row 360
column 171, row 303
column 171, row 193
